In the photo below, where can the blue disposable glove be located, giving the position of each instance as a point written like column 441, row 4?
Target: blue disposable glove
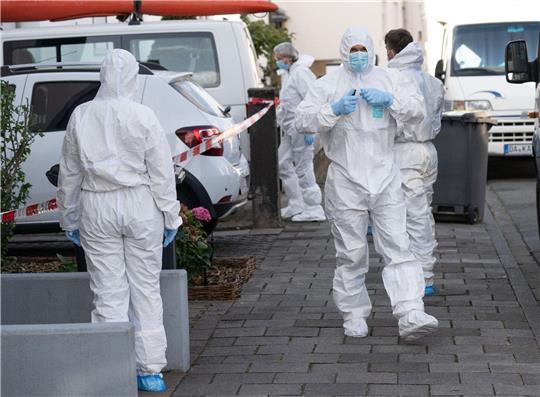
column 309, row 139
column 346, row 105
column 74, row 236
column 168, row 236
column 374, row 96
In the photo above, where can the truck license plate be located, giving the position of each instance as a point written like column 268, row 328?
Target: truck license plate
column 517, row 148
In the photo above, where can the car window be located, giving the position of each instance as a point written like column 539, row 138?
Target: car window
column 53, row 102
column 66, row 49
column 199, row 97
column 85, row 52
column 193, row 52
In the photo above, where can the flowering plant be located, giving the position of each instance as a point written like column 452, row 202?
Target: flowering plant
column 193, row 251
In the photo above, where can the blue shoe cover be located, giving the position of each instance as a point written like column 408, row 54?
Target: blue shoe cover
column 429, row 290
column 369, row 231
column 151, row 383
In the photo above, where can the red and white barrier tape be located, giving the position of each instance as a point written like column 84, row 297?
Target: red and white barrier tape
column 184, row 157
column 179, row 160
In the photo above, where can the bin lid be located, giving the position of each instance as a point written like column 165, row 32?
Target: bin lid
column 469, row 117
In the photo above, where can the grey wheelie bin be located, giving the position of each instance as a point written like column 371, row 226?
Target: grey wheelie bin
column 462, row 149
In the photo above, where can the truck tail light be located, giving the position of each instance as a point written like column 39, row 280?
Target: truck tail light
column 193, row 136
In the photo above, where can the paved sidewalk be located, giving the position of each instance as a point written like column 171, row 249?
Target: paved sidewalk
column 284, row 335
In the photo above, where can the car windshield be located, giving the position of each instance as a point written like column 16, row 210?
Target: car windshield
column 479, row 49
column 199, row 97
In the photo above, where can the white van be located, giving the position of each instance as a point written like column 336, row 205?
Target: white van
column 472, row 69
column 219, row 54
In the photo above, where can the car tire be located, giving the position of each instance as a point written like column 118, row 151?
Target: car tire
column 192, row 193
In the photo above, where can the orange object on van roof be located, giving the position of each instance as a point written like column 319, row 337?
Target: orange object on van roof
column 55, row 10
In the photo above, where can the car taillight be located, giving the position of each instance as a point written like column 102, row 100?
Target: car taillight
column 193, row 136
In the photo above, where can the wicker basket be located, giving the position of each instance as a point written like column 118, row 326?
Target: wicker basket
column 225, row 279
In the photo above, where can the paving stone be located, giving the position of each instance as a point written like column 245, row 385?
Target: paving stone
column 335, row 389
column 428, row 379
column 427, row 358
column 305, row 378
column 292, row 331
column 398, row 367
column 368, row 358
column 398, row 390
column 219, row 369
column 458, row 390
column 528, row 390
column 530, row 379
column 481, row 378
column 279, row 367
column 265, row 389
column 516, row 368
column 366, row 377
column 244, row 378
column 217, row 389
column 338, row 368
column 262, row 340
column 459, row 367
column 262, row 358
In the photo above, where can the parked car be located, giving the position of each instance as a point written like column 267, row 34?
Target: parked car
column 518, row 71
column 217, row 179
column 219, row 54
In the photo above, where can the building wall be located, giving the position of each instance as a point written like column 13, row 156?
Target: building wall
column 318, row 26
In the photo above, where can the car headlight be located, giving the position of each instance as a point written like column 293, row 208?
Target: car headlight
column 478, row 105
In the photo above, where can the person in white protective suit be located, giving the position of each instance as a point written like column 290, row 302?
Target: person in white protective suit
column 117, row 198
column 357, row 133
column 415, row 153
column 295, row 151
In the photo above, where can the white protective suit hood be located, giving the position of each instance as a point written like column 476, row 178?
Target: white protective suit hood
column 354, row 36
column 411, row 57
column 118, row 76
column 304, row 60
column 409, row 62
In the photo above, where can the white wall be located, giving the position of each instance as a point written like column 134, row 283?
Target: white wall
column 318, row 25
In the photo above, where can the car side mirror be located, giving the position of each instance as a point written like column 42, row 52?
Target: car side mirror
column 516, row 62
column 439, row 70
column 52, row 174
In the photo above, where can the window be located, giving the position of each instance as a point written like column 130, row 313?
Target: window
column 53, row 102
column 182, row 52
column 85, row 52
column 479, row 49
column 68, row 49
column 199, row 97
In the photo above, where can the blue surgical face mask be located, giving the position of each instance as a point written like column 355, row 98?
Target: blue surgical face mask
column 282, row 65
column 358, row 60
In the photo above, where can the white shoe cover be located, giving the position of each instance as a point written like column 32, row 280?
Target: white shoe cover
column 416, row 324
column 356, row 327
column 314, row 214
column 288, row 212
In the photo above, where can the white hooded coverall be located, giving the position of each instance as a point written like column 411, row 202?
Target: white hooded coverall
column 417, row 157
column 117, row 186
column 363, row 180
column 295, row 157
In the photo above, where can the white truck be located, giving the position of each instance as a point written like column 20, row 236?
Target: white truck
column 472, row 69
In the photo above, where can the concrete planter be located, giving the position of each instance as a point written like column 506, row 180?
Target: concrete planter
column 37, row 304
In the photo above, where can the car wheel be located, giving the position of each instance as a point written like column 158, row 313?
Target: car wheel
column 192, row 194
